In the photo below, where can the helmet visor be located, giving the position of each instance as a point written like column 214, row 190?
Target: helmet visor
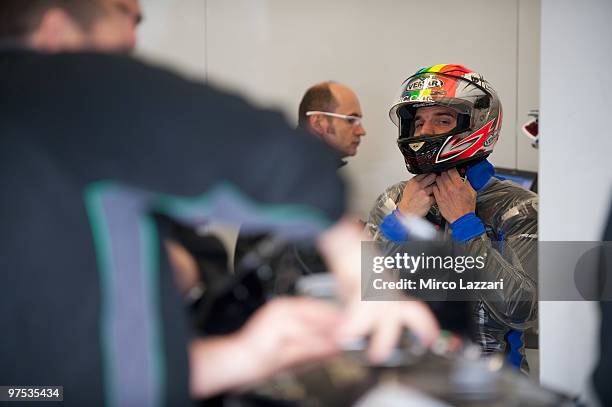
column 431, row 120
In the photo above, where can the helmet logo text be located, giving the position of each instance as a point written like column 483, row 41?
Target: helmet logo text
column 427, row 83
column 419, row 98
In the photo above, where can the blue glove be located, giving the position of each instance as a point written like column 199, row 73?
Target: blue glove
column 467, row 227
column 393, row 229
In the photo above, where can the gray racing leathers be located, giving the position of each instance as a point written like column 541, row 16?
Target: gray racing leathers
column 509, row 214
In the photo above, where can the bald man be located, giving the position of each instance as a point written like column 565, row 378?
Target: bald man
column 331, row 111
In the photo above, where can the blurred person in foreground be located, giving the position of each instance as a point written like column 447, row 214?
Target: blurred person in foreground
column 70, row 25
column 92, row 146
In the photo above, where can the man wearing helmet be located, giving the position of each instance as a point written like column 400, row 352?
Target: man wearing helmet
column 449, row 119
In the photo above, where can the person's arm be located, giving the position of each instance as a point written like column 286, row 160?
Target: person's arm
column 385, row 204
column 512, row 258
column 219, row 364
column 412, row 198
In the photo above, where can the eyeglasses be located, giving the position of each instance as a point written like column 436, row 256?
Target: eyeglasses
column 352, row 120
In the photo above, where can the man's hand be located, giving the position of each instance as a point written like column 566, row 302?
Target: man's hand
column 385, row 321
column 283, row 333
column 382, row 320
column 454, row 196
column 289, row 331
column 417, row 197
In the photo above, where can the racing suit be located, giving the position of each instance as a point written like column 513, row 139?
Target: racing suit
column 508, row 241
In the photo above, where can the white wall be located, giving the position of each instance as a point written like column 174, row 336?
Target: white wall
column 273, row 50
column 575, row 174
column 528, row 79
column 173, row 33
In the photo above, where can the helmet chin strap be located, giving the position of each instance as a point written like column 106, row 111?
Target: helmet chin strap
column 462, row 170
column 434, row 216
column 477, row 173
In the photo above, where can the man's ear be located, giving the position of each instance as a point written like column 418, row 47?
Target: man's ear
column 57, row 32
column 317, row 124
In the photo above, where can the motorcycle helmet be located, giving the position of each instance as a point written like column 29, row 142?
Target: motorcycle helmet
column 478, row 111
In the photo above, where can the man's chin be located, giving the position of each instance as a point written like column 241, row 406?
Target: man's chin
column 350, row 152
